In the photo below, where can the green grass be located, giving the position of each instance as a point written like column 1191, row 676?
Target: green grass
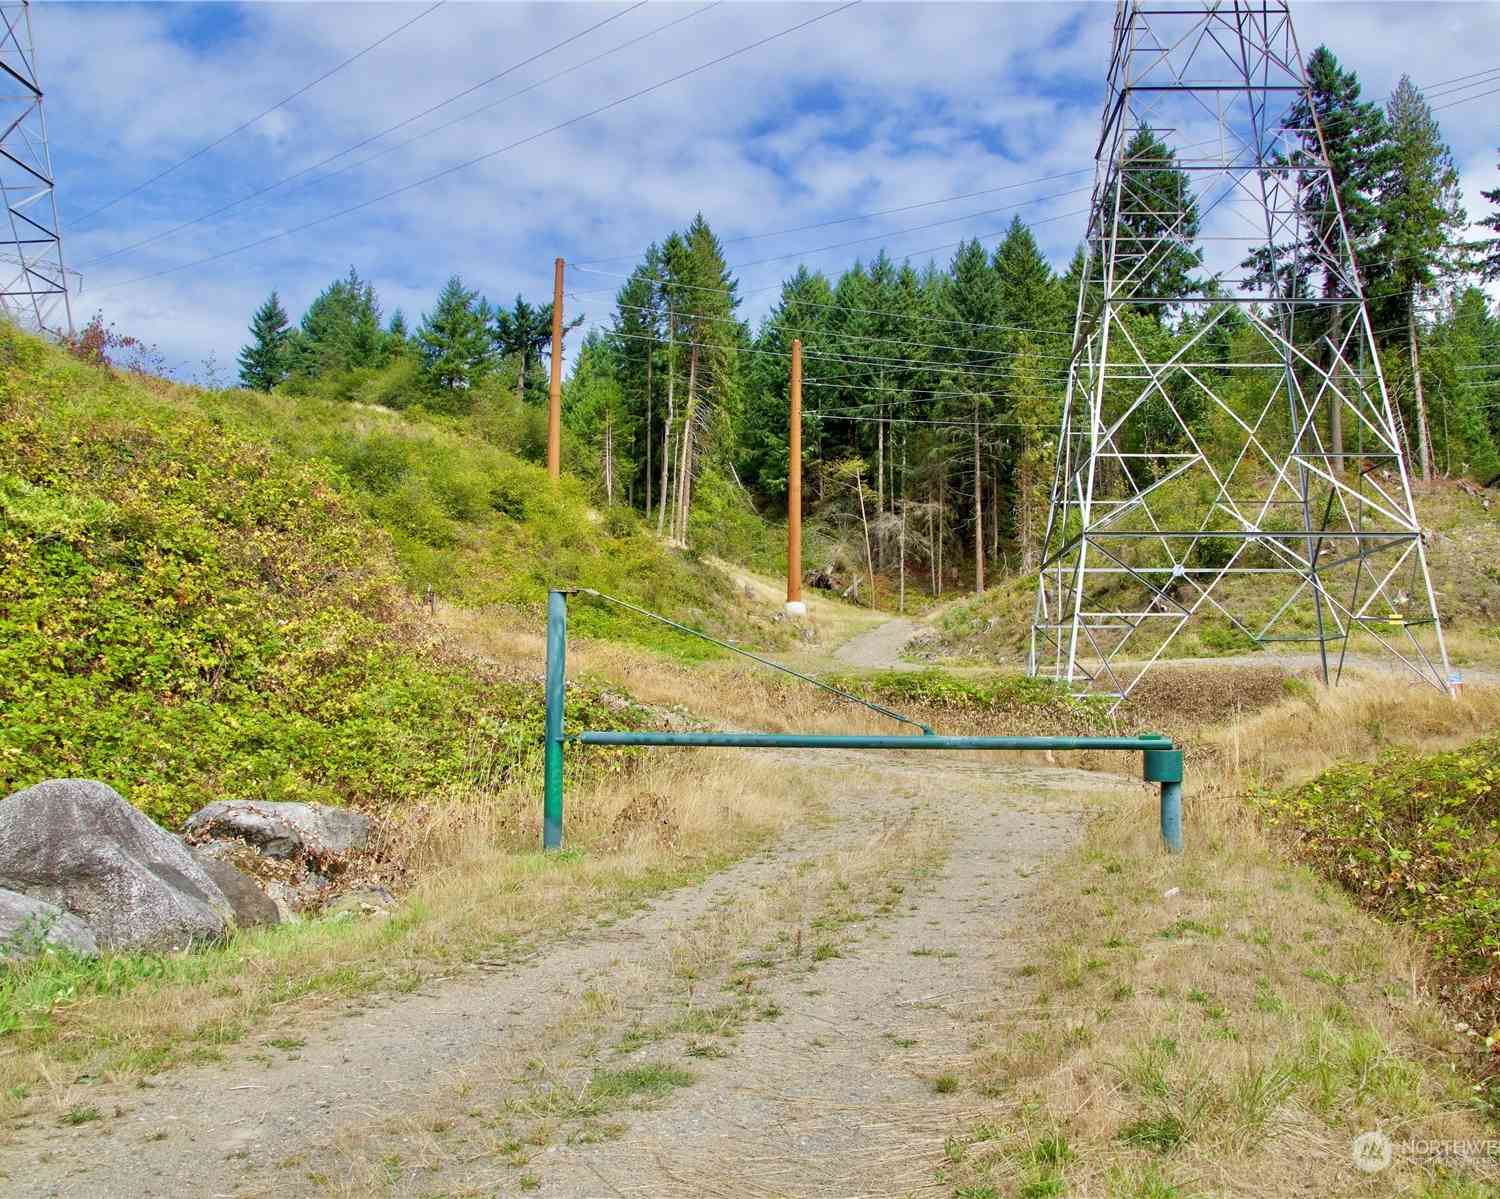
column 982, row 704
column 481, row 525
column 188, row 613
column 650, row 1080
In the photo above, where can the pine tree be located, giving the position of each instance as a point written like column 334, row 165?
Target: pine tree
column 705, row 295
column 1489, row 265
column 1356, row 138
column 525, row 331
column 340, row 330
column 1421, row 218
column 973, row 304
column 263, row 363
column 455, row 341
column 1156, row 206
column 636, row 333
column 397, row 340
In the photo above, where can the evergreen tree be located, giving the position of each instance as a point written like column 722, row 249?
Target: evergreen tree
column 973, row 304
column 340, row 330
column 263, row 363
column 1421, row 218
column 397, row 340
column 1029, row 294
column 801, row 313
column 1156, row 204
column 525, row 331
column 454, row 340
column 637, row 331
column 1489, row 265
column 704, row 294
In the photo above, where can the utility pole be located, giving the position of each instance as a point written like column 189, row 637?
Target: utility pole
column 554, row 391
column 33, row 283
column 794, row 604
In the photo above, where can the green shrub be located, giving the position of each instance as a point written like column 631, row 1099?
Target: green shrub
column 189, row 616
column 1416, row 838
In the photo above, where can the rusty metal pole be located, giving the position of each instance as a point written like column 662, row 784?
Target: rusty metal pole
column 554, row 391
column 794, row 604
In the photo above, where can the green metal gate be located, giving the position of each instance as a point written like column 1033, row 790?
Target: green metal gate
column 1161, row 760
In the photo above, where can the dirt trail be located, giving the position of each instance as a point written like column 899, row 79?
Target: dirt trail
column 833, row 1096
column 880, row 648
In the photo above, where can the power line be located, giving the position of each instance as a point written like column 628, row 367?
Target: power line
column 306, row 87
column 1459, row 78
column 1432, row 93
column 877, row 337
column 866, row 216
column 1465, row 100
column 593, row 112
column 425, row 134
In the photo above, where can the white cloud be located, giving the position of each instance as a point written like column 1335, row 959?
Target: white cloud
column 881, row 106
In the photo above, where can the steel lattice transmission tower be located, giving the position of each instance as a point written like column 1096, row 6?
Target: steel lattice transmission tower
column 1230, row 463
column 35, row 285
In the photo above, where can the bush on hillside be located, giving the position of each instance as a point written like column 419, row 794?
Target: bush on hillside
column 1416, row 838
column 191, row 616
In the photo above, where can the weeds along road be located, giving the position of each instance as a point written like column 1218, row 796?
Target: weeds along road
column 787, row 1028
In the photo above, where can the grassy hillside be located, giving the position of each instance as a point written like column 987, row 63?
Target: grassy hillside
column 1463, row 546
column 481, row 526
column 187, row 613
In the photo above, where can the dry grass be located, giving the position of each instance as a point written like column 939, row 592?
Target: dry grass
column 1224, row 1022
column 484, row 895
column 1313, row 728
column 731, row 693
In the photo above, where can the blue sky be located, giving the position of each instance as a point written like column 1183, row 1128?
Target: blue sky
column 880, row 106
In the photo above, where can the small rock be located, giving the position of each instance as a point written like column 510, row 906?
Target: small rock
column 372, row 900
column 252, row 906
column 281, row 830
column 1171, row 893
column 28, row 926
column 77, row 844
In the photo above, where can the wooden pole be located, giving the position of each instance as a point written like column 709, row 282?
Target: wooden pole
column 554, row 392
column 794, row 602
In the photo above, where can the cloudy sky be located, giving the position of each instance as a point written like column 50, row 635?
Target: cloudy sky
column 873, row 107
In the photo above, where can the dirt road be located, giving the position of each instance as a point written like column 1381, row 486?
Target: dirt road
column 879, row 648
column 783, row 1029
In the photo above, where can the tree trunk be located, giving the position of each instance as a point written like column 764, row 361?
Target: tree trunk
column 880, row 462
column 978, row 510
column 942, row 505
column 609, row 456
column 994, row 507
column 685, row 462
column 521, row 379
column 901, row 602
column 864, row 520
column 649, row 356
column 931, row 544
column 666, row 432
column 1424, row 438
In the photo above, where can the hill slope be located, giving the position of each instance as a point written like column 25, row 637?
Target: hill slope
column 190, row 614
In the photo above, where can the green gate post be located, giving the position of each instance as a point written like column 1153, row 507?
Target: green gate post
column 552, row 763
column 1164, row 766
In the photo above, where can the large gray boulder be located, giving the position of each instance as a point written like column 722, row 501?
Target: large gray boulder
column 252, row 906
column 282, row 830
column 27, row 926
column 77, row 844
